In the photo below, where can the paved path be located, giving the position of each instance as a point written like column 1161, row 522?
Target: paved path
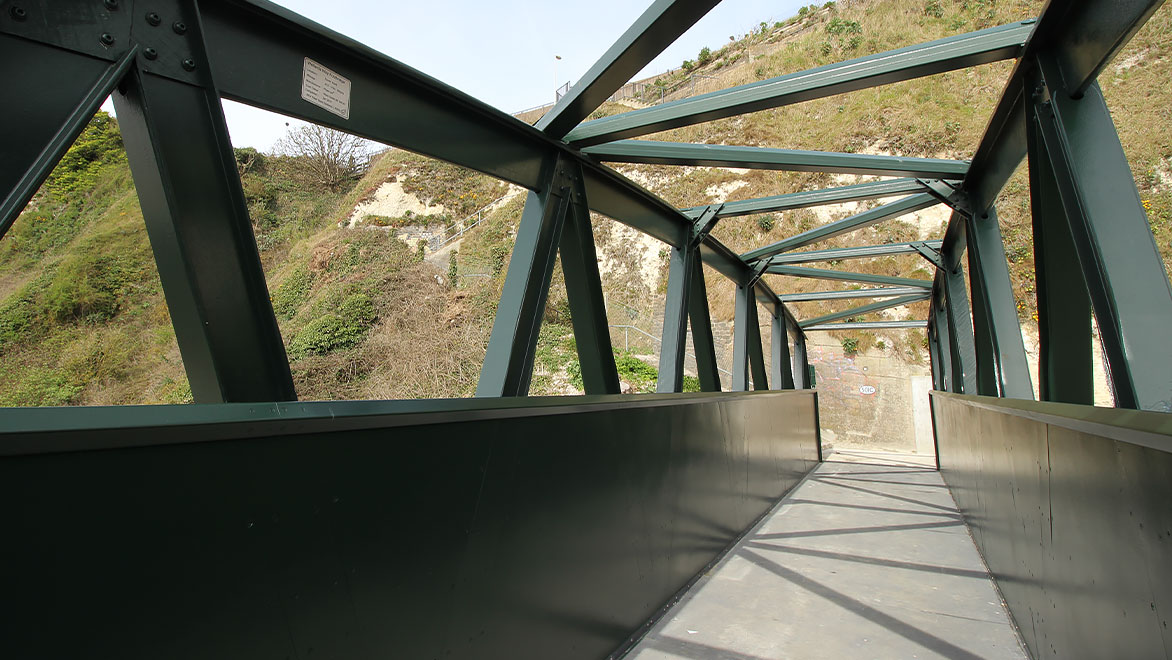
column 867, row 558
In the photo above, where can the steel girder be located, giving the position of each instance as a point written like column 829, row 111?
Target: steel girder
column 865, row 309
column 926, row 59
column 748, row 360
column 846, row 225
column 554, row 221
column 861, row 252
column 851, row 293
column 782, row 375
column 1121, row 266
column 1052, row 106
column 807, row 199
column 660, row 25
column 49, row 121
column 826, row 274
column 763, row 158
column 255, row 45
column 867, row 325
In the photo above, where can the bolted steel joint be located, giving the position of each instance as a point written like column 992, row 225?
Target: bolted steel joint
column 107, row 39
column 18, row 13
column 153, row 18
column 110, row 4
column 189, row 64
column 150, row 53
column 179, row 27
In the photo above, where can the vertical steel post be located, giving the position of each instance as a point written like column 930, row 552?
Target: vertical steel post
column 197, row 221
column 755, row 349
column 1004, row 371
column 1065, row 358
column 508, row 363
column 783, row 375
column 801, row 362
column 701, row 323
column 741, row 335
column 934, row 351
column 675, row 320
column 584, row 291
column 1121, row 265
column 963, row 345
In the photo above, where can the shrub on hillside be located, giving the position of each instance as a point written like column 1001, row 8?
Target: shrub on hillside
column 332, row 331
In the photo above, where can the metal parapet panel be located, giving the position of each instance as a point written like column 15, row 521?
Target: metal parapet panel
column 539, row 528
column 1069, row 506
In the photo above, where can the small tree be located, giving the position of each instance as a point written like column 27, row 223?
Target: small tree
column 327, row 157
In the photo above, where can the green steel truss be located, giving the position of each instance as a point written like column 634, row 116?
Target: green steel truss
column 1093, row 249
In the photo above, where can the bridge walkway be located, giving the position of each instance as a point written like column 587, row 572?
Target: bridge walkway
column 867, row 558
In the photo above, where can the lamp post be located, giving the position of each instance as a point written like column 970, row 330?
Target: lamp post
column 556, row 59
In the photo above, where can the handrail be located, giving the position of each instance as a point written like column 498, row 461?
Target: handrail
column 657, row 340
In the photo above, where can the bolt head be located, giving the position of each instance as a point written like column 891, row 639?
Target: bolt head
column 189, row 64
column 107, row 39
column 153, row 18
column 111, row 4
column 179, row 27
column 18, row 13
column 150, row 53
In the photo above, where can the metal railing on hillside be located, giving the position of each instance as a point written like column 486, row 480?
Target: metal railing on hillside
column 640, row 331
column 458, row 229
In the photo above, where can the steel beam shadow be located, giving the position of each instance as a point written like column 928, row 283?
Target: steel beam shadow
column 501, row 528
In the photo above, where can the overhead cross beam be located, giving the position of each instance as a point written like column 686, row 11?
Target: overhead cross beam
column 762, row 158
column 866, row 309
column 868, row 325
column 807, row 199
column 850, row 294
column 861, row 252
column 826, row 274
column 660, row 25
column 858, row 221
column 951, row 53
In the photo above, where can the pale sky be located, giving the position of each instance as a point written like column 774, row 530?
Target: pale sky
column 501, row 52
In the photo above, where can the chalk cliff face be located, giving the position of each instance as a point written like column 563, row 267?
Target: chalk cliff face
column 388, row 289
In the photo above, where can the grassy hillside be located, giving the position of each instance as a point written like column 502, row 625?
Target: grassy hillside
column 365, row 315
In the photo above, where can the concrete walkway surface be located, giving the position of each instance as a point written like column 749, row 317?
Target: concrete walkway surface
column 866, row 558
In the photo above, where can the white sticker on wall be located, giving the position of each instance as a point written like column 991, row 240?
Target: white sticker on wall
column 325, row 89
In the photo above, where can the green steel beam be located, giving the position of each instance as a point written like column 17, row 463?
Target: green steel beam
column 849, row 294
column 846, row 225
column 1121, row 265
column 660, row 25
column 256, row 46
column 763, row 158
column 584, row 292
column 934, row 353
column 939, row 315
column 782, row 375
column 1084, row 36
column 807, row 199
column 866, row 309
column 197, row 221
column 951, row 53
column 826, row 274
column 1002, row 366
column 675, row 320
column 861, row 252
column 508, row 362
column 867, row 325
column 1065, row 355
column 48, row 118
column 802, row 372
column 701, row 323
column 963, row 345
column 748, row 360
